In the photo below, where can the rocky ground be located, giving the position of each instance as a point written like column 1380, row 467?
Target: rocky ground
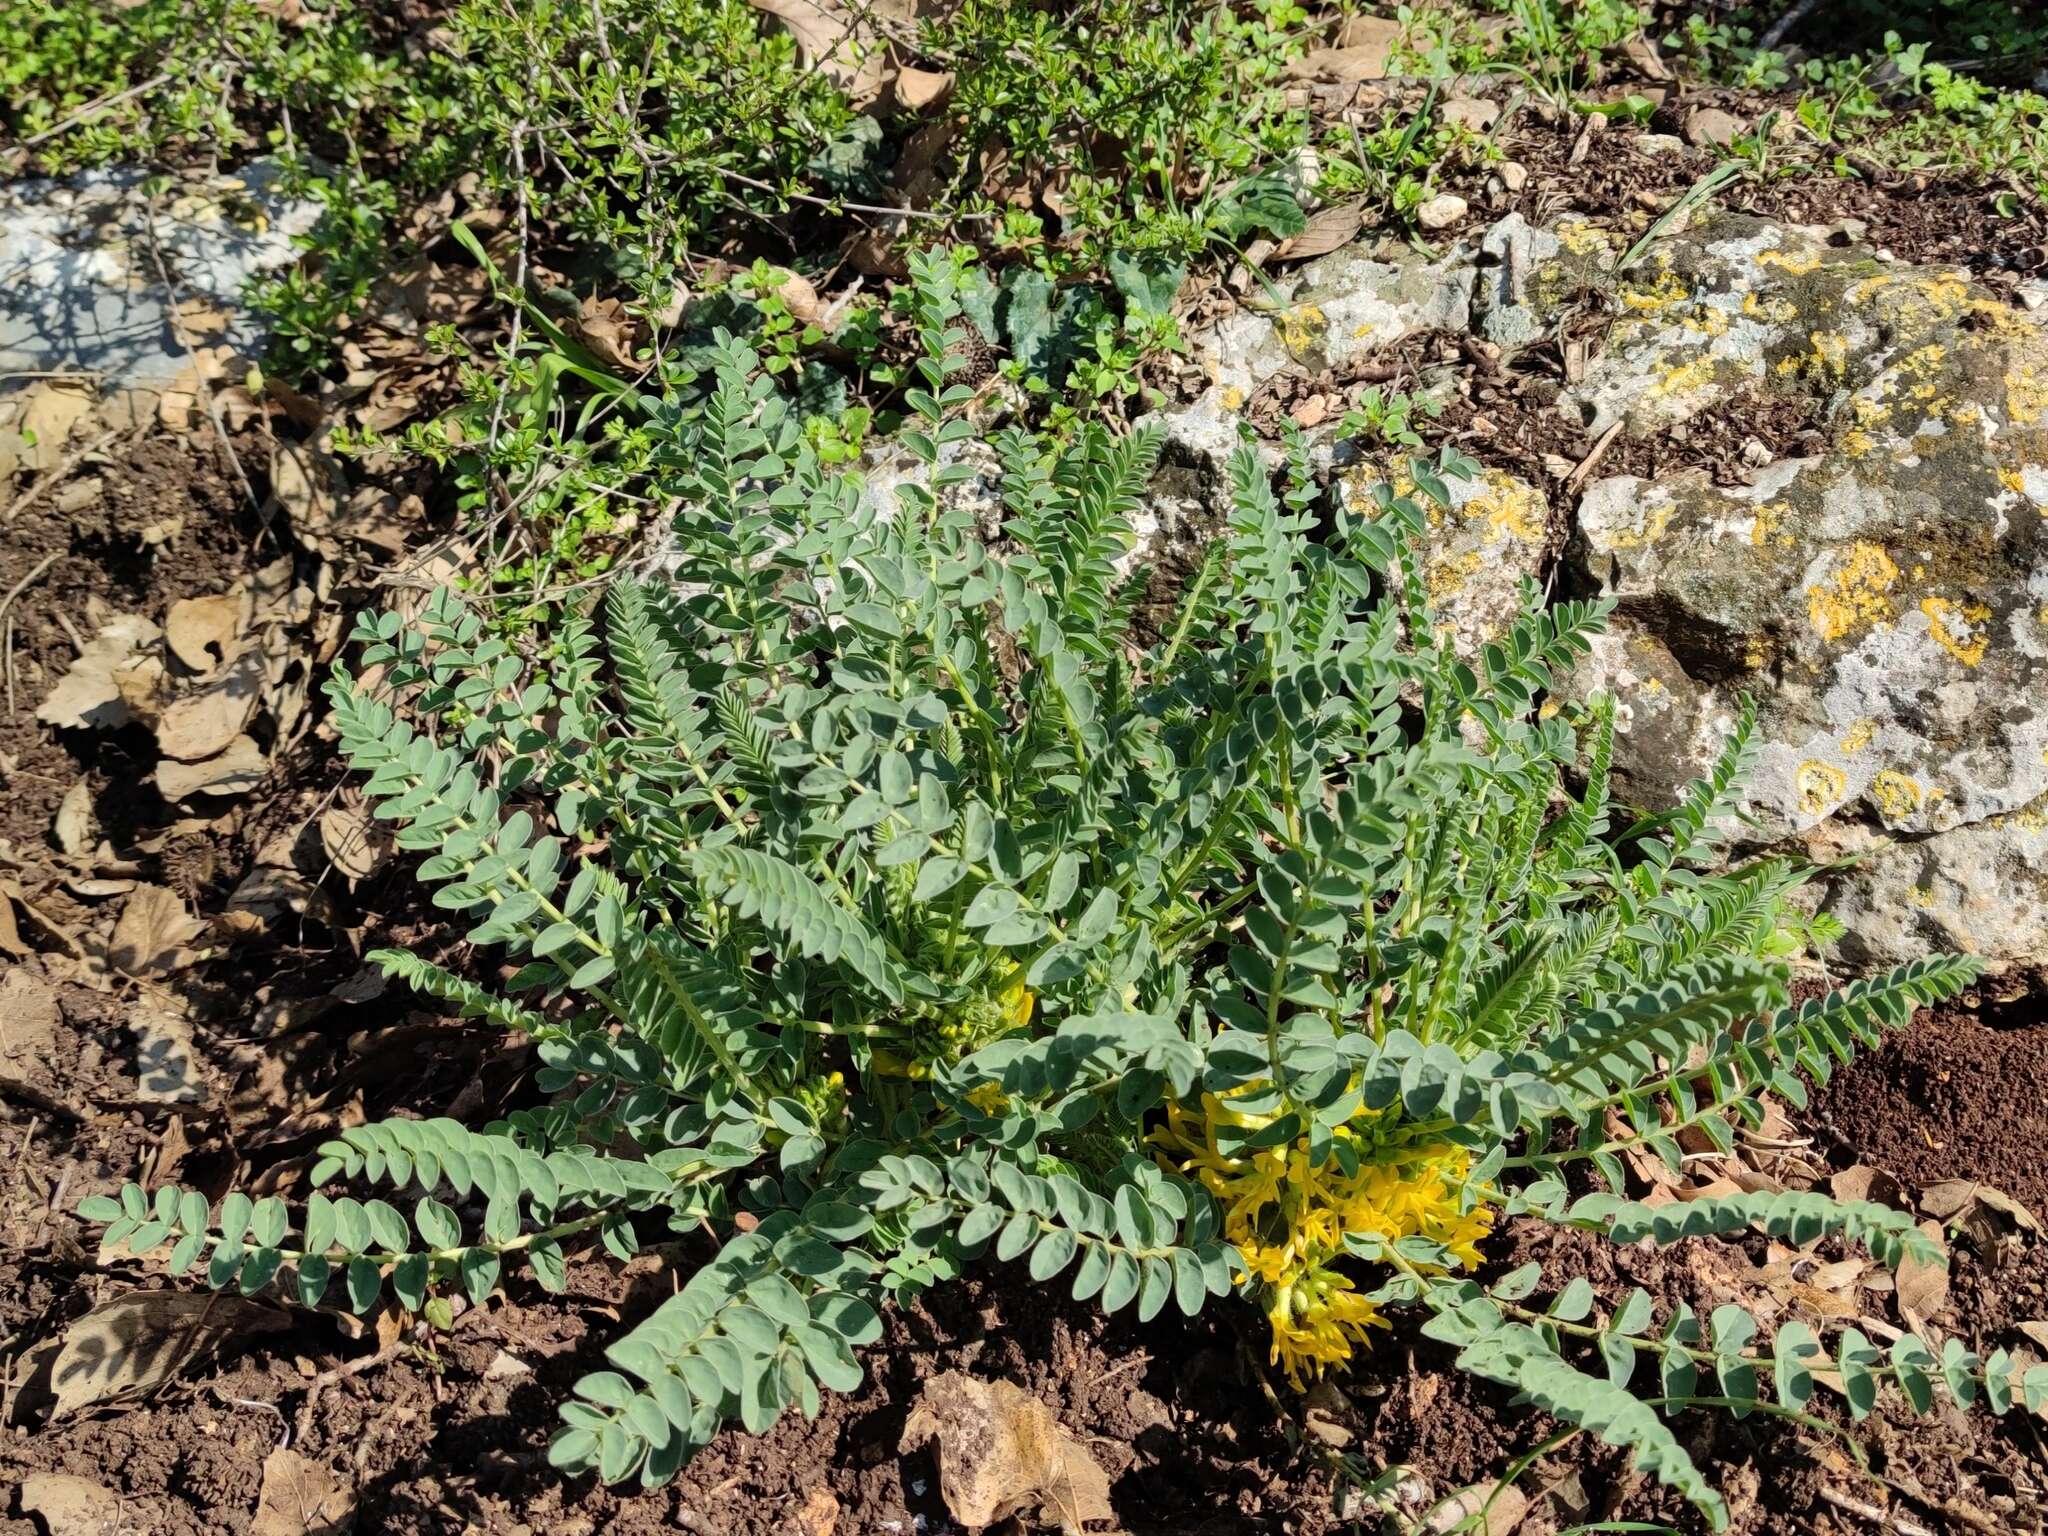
column 1797, row 432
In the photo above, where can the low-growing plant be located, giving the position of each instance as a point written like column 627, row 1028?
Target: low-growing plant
column 888, row 899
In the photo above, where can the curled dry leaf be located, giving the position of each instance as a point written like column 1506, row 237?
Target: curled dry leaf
column 1923, row 1288
column 301, row 1497
column 1001, row 1452
column 133, row 1342
column 111, row 682
column 1954, row 1200
column 54, row 409
column 235, row 772
column 356, row 843
column 842, row 41
column 200, row 630
column 74, row 825
column 307, row 483
column 153, row 933
column 206, row 721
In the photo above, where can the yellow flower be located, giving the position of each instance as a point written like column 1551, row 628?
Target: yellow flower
column 989, row 1098
column 1289, row 1216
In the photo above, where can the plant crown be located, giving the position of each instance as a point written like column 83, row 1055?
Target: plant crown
column 891, row 891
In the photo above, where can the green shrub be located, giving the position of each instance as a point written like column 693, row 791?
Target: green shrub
column 886, row 900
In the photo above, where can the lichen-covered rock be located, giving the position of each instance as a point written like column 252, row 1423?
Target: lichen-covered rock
column 1334, row 311
column 1886, row 600
column 1479, row 551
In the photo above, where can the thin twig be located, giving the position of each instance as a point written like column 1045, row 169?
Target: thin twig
column 92, row 107
column 1785, row 23
column 52, row 476
column 7, row 621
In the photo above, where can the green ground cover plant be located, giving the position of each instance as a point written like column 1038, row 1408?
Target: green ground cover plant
column 887, row 901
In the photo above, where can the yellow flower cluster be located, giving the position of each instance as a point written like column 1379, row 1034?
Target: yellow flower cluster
column 1289, row 1218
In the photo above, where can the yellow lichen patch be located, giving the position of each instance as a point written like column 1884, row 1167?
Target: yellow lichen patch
column 1669, row 290
column 1233, row 398
column 1706, row 320
column 1444, row 577
column 1856, row 443
column 1685, row 378
column 1299, row 327
column 1956, row 628
column 1362, row 330
column 2013, row 480
column 1511, row 509
column 1793, row 263
column 1775, row 311
column 1820, row 785
column 1860, row 735
column 1855, row 593
column 1650, row 531
column 2026, row 397
column 1895, row 796
column 1947, row 297
column 1861, row 293
column 1921, row 896
column 1768, row 524
column 1581, row 238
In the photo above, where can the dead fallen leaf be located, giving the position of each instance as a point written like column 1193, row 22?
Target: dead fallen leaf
column 1922, row 1289
column 1958, row 1199
column 200, row 629
column 610, row 331
column 108, row 680
column 206, row 721
column 2036, row 1331
column 166, row 1060
column 74, row 824
column 841, row 41
column 28, row 1028
column 71, row 1506
column 1328, row 229
column 235, row 772
column 133, row 1342
column 1001, row 1452
column 1865, row 1183
column 153, row 933
column 307, row 483
column 301, row 1498
column 356, row 842
column 52, row 410
column 818, row 1515
column 917, row 89
column 1494, row 1509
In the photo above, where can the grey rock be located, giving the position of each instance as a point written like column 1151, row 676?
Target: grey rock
column 80, row 284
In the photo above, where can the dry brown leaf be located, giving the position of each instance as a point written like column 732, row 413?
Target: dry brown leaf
column 71, row 1506
column 307, row 483
column 356, row 842
column 133, row 1342
column 166, row 1060
column 917, row 89
column 605, row 326
column 1922, row 1289
column 109, row 680
column 235, row 772
column 206, row 721
column 10, row 931
column 301, row 1498
column 1958, row 1199
column 818, row 1515
column 841, row 41
column 52, row 409
column 1327, row 230
column 2035, row 1331
column 153, row 933
column 74, row 823
column 1001, row 1452
column 1864, row 1183
column 200, row 630
column 28, row 1027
